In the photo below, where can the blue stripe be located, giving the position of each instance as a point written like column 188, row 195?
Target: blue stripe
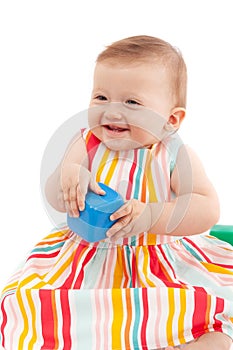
column 139, row 174
column 138, row 184
column 137, row 318
column 191, row 250
column 48, row 248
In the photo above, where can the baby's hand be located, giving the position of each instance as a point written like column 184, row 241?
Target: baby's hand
column 75, row 182
column 133, row 218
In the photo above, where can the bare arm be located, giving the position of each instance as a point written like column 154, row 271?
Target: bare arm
column 195, row 208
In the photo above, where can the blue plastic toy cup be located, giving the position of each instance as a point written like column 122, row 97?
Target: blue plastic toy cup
column 94, row 221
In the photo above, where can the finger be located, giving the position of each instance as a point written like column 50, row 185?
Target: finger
column 126, row 209
column 96, row 188
column 68, row 208
column 80, row 197
column 120, row 225
column 74, row 208
column 123, row 233
column 73, row 202
column 66, row 194
column 73, row 194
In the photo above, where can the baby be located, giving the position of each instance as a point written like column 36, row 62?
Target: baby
column 157, row 281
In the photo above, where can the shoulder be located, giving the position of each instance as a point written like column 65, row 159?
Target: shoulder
column 171, row 146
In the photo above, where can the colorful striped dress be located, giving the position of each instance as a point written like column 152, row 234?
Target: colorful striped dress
column 143, row 292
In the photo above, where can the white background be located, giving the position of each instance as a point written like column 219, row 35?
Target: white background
column 48, row 49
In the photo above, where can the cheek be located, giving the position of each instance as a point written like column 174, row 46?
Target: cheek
column 143, row 137
column 151, row 130
column 93, row 117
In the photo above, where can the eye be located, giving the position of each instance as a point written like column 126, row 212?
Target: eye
column 101, row 98
column 132, row 102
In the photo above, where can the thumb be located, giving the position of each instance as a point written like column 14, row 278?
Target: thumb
column 96, row 188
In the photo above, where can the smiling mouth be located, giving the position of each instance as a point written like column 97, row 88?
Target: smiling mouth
column 115, row 128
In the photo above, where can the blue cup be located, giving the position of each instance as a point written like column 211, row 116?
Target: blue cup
column 94, row 221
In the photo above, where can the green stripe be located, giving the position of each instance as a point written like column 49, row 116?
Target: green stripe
column 49, row 248
column 137, row 318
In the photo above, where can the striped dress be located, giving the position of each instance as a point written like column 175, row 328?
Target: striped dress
column 143, row 292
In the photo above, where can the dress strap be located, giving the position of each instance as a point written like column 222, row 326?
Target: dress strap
column 173, row 144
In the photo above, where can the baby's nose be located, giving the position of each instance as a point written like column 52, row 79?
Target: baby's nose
column 113, row 115
column 114, row 111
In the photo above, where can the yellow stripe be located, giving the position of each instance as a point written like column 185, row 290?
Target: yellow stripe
column 111, row 169
column 145, row 267
column 55, row 234
column 55, row 318
column 151, row 238
column 33, row 313
column 171, row 304
column 60, row 271
column 137, row 264
column 102, row 165
column 207, row 315
column 88, row 135
column 150, row 183
column 216, row 269
column 29, row 279
column 117, row 318
column 68, row 261
column 25, row 320
column 118, row 272
column 181, row 316
column 39, row 279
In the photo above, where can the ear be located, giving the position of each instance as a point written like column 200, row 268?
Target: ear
column 177, row 116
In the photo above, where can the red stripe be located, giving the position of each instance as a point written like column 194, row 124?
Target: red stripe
column 199, row 316
column 165, row 258
column 131, row 175
column 4, row 316
column 158, row 269
column 79, row 279
column 218, row 310
column 42, row 256
column 198, row 249
column 68, row 283
column 92, row 144
column 47, row 320
column 225, row 266
column 145, row 318
column 155, row 265
column 205, row 256
column 65, row 307
column 134, row 271
column 124, row 268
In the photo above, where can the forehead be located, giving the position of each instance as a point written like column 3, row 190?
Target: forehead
column 136, row 73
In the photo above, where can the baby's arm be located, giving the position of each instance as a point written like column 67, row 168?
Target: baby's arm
column 196, row 207
column 194, row 210
column 66, row 188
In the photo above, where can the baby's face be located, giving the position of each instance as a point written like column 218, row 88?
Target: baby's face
column 130, row 104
